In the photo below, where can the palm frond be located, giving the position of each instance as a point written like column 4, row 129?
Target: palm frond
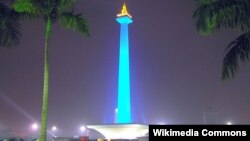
column 57, row 7
column 237, row 50
column 218, row 14
column 75, row 22
column 204, row 2
column 9, row 26
column 66, row 5
column 27, row 6
column 10, row 35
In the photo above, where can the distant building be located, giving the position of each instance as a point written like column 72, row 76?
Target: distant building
column 211, row 116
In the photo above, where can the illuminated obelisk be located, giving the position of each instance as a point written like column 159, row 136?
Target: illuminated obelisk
column 123, row 128
column 124, row 111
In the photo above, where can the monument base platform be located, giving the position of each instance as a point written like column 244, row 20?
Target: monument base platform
column 121, row 131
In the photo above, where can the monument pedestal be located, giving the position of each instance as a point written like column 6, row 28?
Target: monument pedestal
column 121, row 131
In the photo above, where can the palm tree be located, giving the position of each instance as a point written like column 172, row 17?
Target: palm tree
column 52, row 11
column 212, row 15
column 9, row 25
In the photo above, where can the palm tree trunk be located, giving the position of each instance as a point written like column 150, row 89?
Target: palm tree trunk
column 43, row 131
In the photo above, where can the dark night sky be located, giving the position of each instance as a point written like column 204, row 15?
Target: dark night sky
column 175, row 71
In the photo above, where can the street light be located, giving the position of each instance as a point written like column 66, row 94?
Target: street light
column 34, row 126
column 229, row 123
column 161, row 123
column 54, row 128
column 84, row 131
column 82, row 128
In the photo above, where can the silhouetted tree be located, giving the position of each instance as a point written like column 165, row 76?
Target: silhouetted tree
column 212, row 15
column 9, row 25
column 52, row 11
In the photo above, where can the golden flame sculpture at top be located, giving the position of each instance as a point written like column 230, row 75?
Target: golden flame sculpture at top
column 124, row 12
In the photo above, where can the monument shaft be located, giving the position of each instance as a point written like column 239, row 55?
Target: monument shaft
column 124, row 112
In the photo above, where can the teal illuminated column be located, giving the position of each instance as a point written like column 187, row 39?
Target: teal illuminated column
column 124, row 113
